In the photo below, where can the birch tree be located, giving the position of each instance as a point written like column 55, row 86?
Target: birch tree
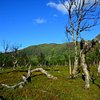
column 85, row 48
column 5, row 46
column 69, row 54
column 82, row 15
column 15, row 49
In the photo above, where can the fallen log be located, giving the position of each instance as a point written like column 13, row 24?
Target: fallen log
column 44, row 72
column 27, row 78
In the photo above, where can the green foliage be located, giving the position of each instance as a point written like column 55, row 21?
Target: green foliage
column 52, row 54
column 23, row 59
column 6, row 60
column 93, row 56
column 57, row 54
column 49, row 55
column 41, row 59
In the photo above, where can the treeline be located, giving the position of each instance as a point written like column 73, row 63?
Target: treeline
column 12, row 59
column 45, row 55
column 62, row 58
column 21, row 59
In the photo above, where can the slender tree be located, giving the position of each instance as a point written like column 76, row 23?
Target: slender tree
column 6, row 46
column 69, row 53
column 82, row 16
column 15, row 49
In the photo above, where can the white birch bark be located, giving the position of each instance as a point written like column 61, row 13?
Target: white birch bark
column 44, row 72
column 86, row 73
column 99, row 67
column 70, row 68
column 25, row 78
column 74, row 72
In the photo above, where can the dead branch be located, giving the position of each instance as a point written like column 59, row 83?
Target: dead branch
column 27, row 78
column 44, row 72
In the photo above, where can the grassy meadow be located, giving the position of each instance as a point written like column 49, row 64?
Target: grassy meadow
column 42, row 88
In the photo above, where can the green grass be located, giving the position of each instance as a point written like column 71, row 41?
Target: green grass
column 42, row 88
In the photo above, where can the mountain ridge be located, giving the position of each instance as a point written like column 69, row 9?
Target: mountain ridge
column 52, row 50
column 46, row 44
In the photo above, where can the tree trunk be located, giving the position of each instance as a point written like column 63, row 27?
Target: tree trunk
column 70, row 69
column 98, row 69
column 69, row 53
column 86, row 73
column 74, row 72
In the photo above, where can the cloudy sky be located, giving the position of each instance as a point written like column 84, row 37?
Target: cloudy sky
column 32, row 22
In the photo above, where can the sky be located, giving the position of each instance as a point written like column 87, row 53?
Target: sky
column 33, row 22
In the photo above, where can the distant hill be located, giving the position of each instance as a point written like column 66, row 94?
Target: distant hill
column 58, row 51
column 98, row 36
column 47, row 49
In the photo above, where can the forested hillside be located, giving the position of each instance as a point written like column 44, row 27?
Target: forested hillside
column 51, row 53
column 47, row 55
column 58, row 53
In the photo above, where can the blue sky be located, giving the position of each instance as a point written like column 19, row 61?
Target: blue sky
column 32, row 22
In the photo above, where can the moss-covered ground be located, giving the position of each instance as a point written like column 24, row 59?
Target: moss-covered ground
column 42, row 88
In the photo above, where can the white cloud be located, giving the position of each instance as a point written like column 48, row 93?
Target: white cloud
column 58, row 6
column 39, row 21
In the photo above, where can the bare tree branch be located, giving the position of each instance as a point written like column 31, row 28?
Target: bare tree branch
column 27, row 78
column 6, row 46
